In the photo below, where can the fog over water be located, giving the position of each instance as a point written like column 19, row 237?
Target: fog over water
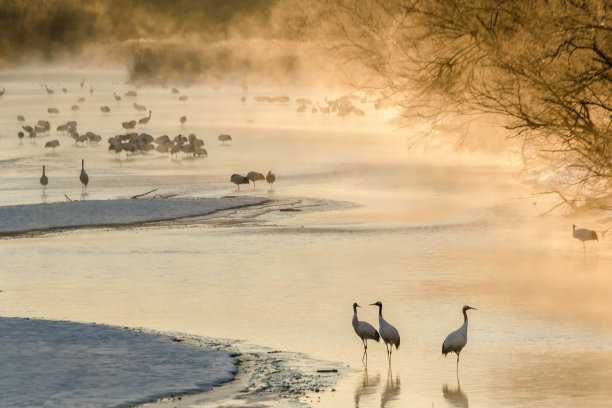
column 425, row 228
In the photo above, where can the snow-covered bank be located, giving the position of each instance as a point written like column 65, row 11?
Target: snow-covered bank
column 65, row 364
column 16, row 219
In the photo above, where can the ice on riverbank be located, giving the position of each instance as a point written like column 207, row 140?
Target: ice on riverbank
column 16, row 219
column 66, row 364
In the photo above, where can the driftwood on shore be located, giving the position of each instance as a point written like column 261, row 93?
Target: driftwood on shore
column 144, row 194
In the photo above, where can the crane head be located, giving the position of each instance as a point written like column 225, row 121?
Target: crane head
column 355, row 306
column 466, row 307
column 376, row 304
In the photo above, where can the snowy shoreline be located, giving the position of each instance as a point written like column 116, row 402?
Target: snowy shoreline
column 64, row 364
column 20, row 219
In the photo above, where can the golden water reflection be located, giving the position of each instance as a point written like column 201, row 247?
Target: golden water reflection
column 455, row 396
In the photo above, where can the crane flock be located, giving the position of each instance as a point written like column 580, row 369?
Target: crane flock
column 454, row 342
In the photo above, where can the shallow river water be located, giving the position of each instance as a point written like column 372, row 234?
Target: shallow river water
column 423, row 233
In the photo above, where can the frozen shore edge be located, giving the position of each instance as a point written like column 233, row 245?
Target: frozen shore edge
column 66, row 364
column 28, row 218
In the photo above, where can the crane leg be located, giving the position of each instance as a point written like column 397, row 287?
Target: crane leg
column 365, row 350
column 457, row 367
column 583, row 248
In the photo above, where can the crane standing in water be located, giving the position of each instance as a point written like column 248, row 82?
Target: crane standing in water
column 584, row 234
column 83, row 177
column 456, row 341
column 270, row 178
column 44, row 180
column 389, row 334
column 365, row 331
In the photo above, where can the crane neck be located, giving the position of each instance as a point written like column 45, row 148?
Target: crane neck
column 380, row 310
column 464, row 316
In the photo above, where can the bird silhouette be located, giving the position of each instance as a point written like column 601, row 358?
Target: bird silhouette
column 145, row 120
column 254, row 176
column 389, row 334
column 183, row 120
column 238, row 179
column 365, row 331
column 270, row 178
column 83, row 177
column 584, row 234
column 52, row 144
column 44, row 180
column 455, row 341
column 224, row 138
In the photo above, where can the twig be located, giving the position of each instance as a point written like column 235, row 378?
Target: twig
column 143, row 194
column 67, row 198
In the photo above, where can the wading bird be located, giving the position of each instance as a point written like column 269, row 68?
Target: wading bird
column 389, row 334
column 365, row 331
column 145, row 120
column 105, row 109
column 83, row 177
column 224, row 138
column 270, row 178
column 183, row 120
column 238, row 179
column 117, row 97
column 584, row 234
column 44, row 180
column 254, row 176
column 52, row 144
column 455, row 341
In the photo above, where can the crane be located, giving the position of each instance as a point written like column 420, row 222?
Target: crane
column 145, row 120
column 584, row 234
column 455, row 342
column 254, row 176
column 83, row 177
column 389, row 334
column 365, row 331
column 238, row 179
column 44, row 180
column 270, row 178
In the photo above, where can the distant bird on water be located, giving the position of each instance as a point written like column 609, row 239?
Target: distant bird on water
column 83, row 177
column 365, row 331
column 44, row 180
column 389, row 334
column 238, row 179
column 105, row 109
column 183, row 120
column 455, row 341
column 52, row 144
column 224, row 138
column 145, row 120
column 584, row 234
column 254, row 176
column 270, row 178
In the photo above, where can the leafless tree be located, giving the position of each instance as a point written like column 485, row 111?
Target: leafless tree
column 541, row 69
